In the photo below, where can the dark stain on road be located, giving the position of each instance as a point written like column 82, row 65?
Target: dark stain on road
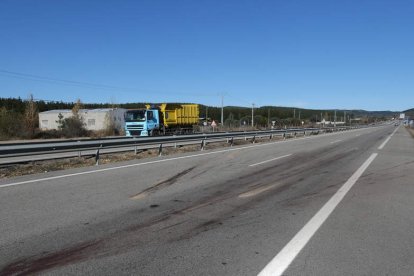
column 183, row 222
column 164, row 183
column 35, row 264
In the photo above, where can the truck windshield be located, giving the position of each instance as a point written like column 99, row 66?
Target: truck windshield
column 135, row 116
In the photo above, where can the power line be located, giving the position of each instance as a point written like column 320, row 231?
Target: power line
column 25, row 76
column 241, row 100
column 48, row 79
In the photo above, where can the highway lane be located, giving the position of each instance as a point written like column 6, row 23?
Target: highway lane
column 224, row 212
column 371, row 233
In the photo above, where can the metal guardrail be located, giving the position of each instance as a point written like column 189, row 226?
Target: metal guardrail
column 96, row 146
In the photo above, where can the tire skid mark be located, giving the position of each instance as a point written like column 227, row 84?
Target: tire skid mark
column 161, row 184
column 35, row 264
column 186, row 222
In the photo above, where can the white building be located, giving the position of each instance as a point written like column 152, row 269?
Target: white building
column 94, row 119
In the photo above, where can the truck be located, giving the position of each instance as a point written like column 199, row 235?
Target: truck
column 161, row 120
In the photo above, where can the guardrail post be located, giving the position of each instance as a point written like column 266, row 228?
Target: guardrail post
column 295, row 134
column 254, row 139
column 284, row 136
column 97, row 157
column 135, row 150
column 79, row 154
column 203, row 143
column 304, row 133
column 160, row 150
column 231, row 141
column 271, row 136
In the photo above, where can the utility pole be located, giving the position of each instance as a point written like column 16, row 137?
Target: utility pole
column 222, row 109
column 206, row 114
column 252, row 114
column 320, row 125
column 335, row 119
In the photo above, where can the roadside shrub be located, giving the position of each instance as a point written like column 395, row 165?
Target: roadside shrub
column 10, row 124
column 73, row 127
column 48, row 134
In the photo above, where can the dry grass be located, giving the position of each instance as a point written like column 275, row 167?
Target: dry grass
column 68, row 163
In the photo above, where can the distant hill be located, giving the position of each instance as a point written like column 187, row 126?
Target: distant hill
column 409, row 112
column 361, row 113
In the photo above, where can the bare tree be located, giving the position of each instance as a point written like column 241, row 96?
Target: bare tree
column 76, row 108
column 31, row 116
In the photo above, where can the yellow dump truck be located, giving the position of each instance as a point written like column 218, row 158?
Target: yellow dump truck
column 162, row 119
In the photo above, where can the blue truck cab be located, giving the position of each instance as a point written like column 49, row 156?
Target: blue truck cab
column 142, row 122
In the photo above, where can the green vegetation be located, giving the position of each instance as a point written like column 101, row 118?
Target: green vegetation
column 19, row 120
column 74, row 125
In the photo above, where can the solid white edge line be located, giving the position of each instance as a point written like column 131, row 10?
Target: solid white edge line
column 139, row 164
column 163, row 160
column 386, row 140
column 273, row 159
column 337, row 141
column 285, row 257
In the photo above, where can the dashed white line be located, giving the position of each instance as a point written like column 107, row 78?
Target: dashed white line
column 337, row 141
column 386, row 140
column 151, row 162
column 270, row 160
column 159, row 161
column 285, row 257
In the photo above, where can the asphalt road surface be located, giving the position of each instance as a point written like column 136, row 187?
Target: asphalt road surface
column 334, row 204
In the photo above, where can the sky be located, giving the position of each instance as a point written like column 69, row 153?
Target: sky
column 306, row 54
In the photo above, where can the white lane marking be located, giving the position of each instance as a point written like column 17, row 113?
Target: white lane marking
column 256, row 191
column 270, row 160
column 386, row 140
column 164, row 160
column 285, row 257
column 337, row 141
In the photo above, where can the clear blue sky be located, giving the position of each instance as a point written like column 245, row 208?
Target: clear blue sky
column 352, row 54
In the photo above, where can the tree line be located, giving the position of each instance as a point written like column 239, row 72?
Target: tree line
column 19, row 117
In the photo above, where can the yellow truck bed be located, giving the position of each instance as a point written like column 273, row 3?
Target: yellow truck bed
column 176, row 115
